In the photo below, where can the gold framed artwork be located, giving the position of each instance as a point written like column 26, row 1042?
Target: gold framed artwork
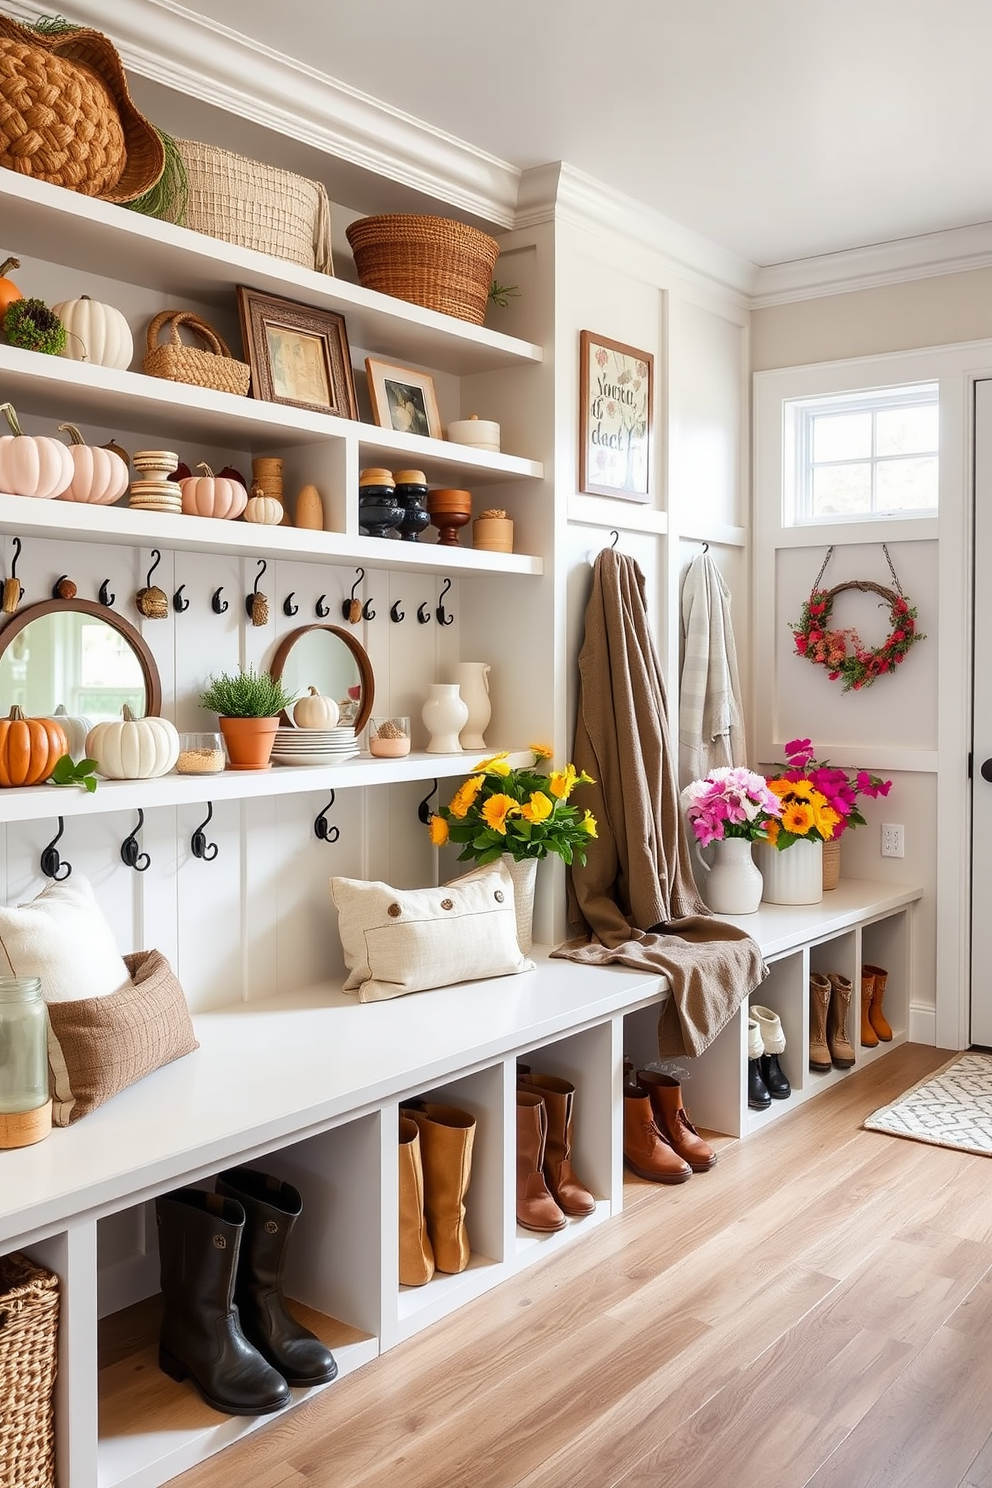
column 403, row 399
column 616, row 400
column 298, row 354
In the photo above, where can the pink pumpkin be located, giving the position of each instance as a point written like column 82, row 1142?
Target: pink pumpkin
column 212, row 495
column 100, row 478
column 32, row 466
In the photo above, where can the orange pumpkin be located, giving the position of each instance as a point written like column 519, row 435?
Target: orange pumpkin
column 29, row 748
column 9, row 291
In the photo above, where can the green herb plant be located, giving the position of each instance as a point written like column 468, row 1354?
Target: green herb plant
column 245, row 694
column 69, row 772
column 502, row 294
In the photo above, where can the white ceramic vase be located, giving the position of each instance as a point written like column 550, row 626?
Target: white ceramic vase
column 524, row 876
column 444, row 715
column 794, row 875
column 473, row 683
column 733, row 883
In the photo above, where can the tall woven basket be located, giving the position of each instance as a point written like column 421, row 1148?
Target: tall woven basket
column 29, row 1323
column 431, row 261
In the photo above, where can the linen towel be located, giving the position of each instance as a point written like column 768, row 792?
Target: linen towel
column 711, row 720
column 636, row 902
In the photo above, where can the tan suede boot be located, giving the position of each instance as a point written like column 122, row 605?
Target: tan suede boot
column 841, row 1049
column 416, row 1254
column 446, row 1138
column 819, row 1002
column 878, row 1019
column 571, row 1196
column 536, row 1209
column 869, row 1038
column 672, row 1120
column 645, row 1150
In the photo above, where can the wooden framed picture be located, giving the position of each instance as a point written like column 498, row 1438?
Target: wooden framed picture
column 298, row 354
column 616, row 398
column 403, row 399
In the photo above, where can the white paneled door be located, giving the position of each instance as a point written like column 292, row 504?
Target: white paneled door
column 981, row 852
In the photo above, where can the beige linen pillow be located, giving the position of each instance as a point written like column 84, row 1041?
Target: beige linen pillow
column 98, row 1046
column 409, row 940
column 63, row 938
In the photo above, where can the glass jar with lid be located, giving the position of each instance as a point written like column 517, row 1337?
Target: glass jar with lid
column 25, row 1106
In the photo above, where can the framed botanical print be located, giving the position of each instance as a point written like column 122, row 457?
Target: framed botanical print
column 616, row 392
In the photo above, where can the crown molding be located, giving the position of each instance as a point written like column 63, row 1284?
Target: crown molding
column 174, row 46
column 956, row 251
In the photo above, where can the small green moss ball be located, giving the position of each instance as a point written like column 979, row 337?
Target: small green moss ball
column 32, row 326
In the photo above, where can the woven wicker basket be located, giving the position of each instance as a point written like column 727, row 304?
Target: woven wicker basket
column 29, row 1322
column 431, row 261
column 176, row 362
column 257, row 206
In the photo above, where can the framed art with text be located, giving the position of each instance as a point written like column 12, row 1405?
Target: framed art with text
column 615, row 403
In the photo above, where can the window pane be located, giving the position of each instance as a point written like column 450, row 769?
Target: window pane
column 842, row 490
column 841, row 436
column 907, row 431
column 906, row 485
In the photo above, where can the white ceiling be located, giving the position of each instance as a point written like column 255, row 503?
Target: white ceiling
column 780, row 129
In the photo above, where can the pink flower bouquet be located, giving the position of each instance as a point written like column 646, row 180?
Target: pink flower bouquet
column 730, row 802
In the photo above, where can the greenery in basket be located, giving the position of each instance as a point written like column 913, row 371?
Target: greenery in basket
column 245, row 694
column 32, row 326
column 521, row 811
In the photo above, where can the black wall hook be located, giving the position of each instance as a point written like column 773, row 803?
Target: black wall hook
column 131, row 854
column 423, row 613
column 424, row 811
column 52, row 866
column 105, row 597
column 59, row 588
column 615, row 537
column 368, row 613
column 321, row 826
column 395, row 613
column 251, row 598
column 16, row 545
column 156, row 560
column 443, row 618
column 218, row 605
column 179, row 600
column 288, row 607
column 351, row 609
column 198, row 844
column 322, row 609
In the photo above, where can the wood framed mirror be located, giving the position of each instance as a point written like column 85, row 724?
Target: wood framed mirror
column 331, row 660
column 80, row 656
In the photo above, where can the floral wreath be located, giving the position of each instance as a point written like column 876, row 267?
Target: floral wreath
column 842, row 651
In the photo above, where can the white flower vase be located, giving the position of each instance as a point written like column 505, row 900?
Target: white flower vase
column 794, row 875
column 473, row 683
column 444, row 716
column 732, row 884
column 524, row 876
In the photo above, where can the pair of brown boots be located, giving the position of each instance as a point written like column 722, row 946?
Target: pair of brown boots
column 660, row 1143
column 435, row 1167
column 875, row 1028
column 830, row 1000
column 548, row 1192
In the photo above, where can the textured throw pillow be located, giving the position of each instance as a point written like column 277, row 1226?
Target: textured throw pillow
column 63, row 938
column 99, row 1046
column 408, row 940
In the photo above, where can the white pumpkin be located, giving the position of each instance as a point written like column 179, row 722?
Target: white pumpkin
column 95, row 333
column 264, row 509
column 101, row 476
column 315, row 711
column 32, row 466
column 134, row 748
column 76, row 731
column 212, row 495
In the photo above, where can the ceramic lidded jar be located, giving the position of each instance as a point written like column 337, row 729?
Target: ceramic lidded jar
column 378, row 509
column 411, row 493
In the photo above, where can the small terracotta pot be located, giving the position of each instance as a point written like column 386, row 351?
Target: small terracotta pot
column 249, row 742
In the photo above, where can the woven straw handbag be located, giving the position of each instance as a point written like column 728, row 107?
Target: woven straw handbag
column 214, row 367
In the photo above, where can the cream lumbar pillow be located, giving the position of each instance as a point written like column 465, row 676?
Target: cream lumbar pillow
column 409, row 940
column 63, row 938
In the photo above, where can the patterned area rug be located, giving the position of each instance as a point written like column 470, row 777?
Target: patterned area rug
column 952, row 1108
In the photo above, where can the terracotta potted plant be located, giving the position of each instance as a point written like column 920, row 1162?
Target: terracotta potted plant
column 247, row 704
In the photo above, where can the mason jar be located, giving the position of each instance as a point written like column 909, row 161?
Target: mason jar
column 25, row 1107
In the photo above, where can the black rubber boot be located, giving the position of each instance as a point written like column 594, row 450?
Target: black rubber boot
column 199, row 1235
column 271, row 1210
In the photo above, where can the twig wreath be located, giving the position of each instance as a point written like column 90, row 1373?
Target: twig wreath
column 842, row 652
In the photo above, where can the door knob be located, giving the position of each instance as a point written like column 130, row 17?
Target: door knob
column 987, row 770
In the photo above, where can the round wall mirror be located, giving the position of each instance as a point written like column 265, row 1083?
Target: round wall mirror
column 80, row 656
column 332, row 661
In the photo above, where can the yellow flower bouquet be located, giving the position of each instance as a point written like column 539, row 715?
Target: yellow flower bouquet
column 523, row 811
column 807, row 815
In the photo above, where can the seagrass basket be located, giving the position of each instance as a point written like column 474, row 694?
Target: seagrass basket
column 431, row 261
column 211, row 365
column 29, row 1322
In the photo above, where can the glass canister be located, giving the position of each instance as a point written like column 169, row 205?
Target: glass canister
column 25, row 1106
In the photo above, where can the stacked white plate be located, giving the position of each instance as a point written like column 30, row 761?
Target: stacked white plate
column 299, row 746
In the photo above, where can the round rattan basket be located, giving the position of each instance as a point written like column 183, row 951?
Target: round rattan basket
column 431, row 261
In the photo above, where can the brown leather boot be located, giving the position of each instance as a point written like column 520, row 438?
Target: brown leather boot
column 559, row 1099
column 819, row 1002
column 878, row 1019
column 446, row 1138
column 841, row 1049
column 645, row 1151
column 536, row 1209
column 869, row 1038
column 416, row 1254
column 672, row 1120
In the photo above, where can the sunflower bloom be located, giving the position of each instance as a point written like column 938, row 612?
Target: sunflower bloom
column 562, row 782
column 495, row 765
column 772, row 829
column 496, row 810
column 797, row 818
column 589, row 824
column 439, row 831
column 538, row 808
column 465, row 795
column 540, row 751
column 826, row 822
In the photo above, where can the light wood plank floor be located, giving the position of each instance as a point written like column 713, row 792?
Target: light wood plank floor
column 815, row 1310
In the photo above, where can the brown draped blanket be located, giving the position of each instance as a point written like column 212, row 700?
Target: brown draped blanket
column 636, row 901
